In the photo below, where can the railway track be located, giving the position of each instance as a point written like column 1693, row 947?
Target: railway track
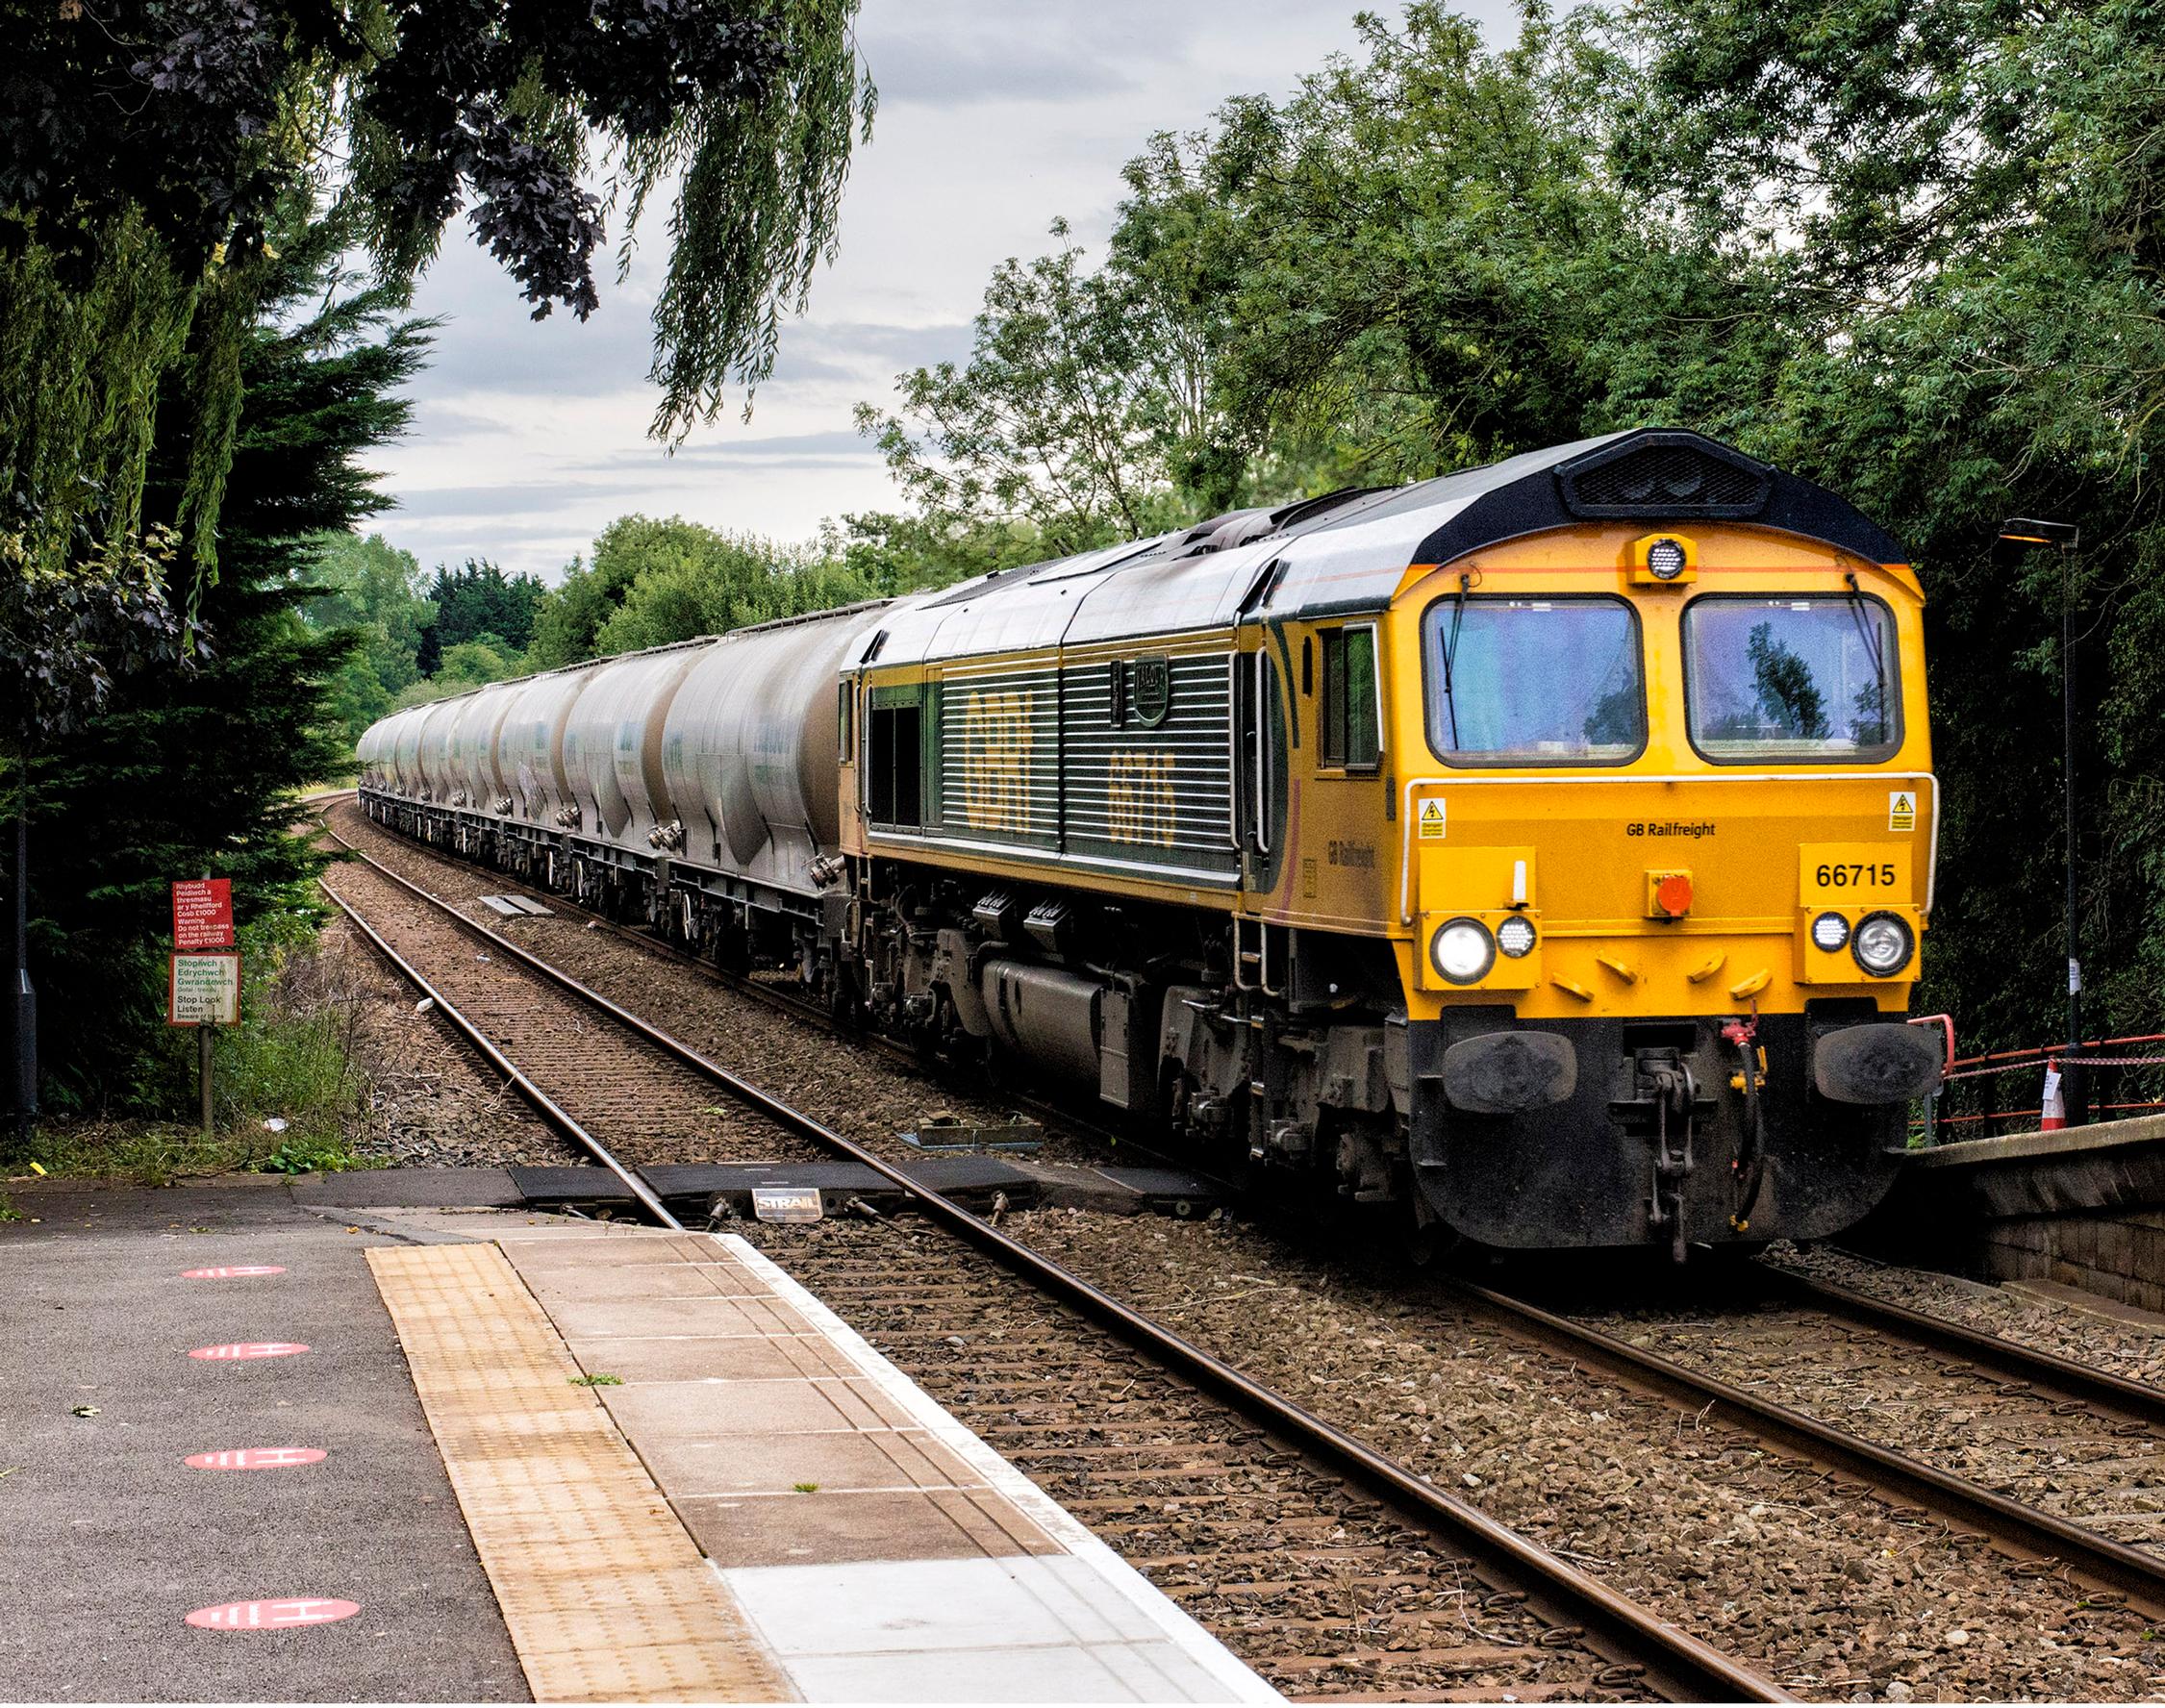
column 1326, row 1564
column 771, row 995
column 2032, row 1540
column 2036, row 1548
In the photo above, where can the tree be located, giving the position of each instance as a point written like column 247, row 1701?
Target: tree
column 687, row 580
column 368, row 586
column 1062, row 422
column 147, row 146
column 477, row 600
column 183, row 772
column 567, row 622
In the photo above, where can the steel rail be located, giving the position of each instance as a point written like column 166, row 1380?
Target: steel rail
column 1680, row 1666
column 554, row 1114
column 2101, row 1389
column 2013, row 1526
column 811, row 1014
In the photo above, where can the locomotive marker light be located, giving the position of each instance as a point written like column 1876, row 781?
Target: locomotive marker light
column 1830, row 932
column 1463, row 951
column 1514, row 938
column 2024, row 532
column 1664, row 559
column 1882, row 944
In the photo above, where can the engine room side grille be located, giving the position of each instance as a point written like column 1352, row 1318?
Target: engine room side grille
column 1158, row 792
column 999, row 754
column 1665, row 475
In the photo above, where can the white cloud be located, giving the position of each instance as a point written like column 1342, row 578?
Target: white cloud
column 530, row 437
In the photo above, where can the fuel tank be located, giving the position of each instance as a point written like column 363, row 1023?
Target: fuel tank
column 405, row 744
column 473, row 746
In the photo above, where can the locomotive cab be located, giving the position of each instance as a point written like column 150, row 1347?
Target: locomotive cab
column 1664, row 838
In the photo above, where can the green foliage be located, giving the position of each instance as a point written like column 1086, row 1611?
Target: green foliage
column 286, row 1091
column 83, row 351
column 567, row 623
column 477, row 601
column 892, row 553
column 185, row 772
column 1051, row 423
column 686, row 580
column 484, row 658
column 370, row 587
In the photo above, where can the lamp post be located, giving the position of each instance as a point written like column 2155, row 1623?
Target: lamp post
column 2028, row 531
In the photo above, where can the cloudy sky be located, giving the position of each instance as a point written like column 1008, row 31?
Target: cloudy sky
column 995, row 116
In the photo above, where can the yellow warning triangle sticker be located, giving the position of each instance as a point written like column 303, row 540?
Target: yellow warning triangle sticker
column 1431, row 818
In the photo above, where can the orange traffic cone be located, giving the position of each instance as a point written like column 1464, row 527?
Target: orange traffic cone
column 2053, row 1116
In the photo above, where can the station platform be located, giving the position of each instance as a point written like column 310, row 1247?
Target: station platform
column 2078, row 1207
column 512, row 1455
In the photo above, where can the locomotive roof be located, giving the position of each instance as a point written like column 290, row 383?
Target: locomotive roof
column 1349, row 552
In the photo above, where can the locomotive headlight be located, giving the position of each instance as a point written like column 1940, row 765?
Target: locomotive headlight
column 1831, row 931
column 1462, row 951
column 1514, row 938
column 1882, row 944
column 1666, row 559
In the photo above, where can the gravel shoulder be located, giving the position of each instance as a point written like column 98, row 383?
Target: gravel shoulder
column 1833, row 1593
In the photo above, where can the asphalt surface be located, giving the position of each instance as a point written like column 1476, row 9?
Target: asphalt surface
column 107, row 1541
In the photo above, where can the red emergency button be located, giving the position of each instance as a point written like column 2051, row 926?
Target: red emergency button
column 1670, row 894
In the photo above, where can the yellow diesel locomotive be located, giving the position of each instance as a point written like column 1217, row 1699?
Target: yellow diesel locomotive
column 1545, row 848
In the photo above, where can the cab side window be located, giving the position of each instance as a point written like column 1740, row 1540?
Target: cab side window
column 1350, row 737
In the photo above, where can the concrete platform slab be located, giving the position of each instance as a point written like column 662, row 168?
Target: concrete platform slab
column 110, row 1541
column 879, row 1549
column 410, row 1188
column 602, row 1590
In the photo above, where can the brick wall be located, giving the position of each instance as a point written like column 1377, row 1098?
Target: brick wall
column 2117, row 1253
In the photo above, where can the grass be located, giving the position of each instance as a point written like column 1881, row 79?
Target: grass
column 154, row 1153
column 8, row 1210
column 596, row 1380
column 293, row 1061
column 806, row 1487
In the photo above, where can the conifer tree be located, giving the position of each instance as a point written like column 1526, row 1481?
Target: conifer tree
column 196, row 772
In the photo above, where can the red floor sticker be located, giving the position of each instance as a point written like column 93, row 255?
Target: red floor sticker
column 250, row 1349
column 254, row 1458
column 233, row 1272
column 271, row 1616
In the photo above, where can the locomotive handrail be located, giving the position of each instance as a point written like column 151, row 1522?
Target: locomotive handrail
column 1405, row 806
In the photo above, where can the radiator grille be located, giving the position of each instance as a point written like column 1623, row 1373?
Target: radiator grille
column 999, row 755
column 1162, row 792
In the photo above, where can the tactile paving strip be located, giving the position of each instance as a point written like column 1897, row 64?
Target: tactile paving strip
column 606, row 1595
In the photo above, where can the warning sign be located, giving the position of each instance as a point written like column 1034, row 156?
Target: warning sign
column 1431, row 820
column 1901, row 810
column 786, row 1203
column 203, row 990
column 202, row 914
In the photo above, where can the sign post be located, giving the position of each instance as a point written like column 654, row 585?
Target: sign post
column 203, row 988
